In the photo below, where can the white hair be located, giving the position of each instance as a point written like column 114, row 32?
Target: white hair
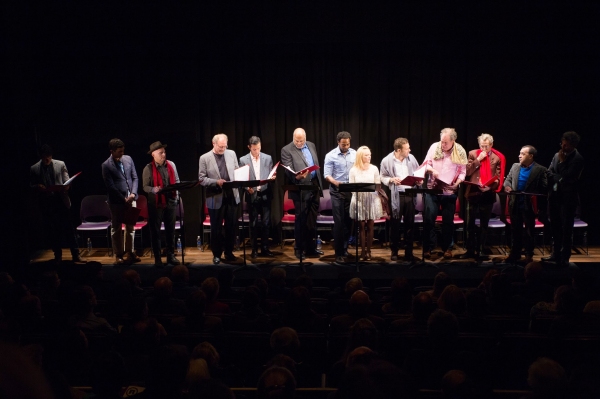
column 450, row 132
column 485, row 137
column 219, row 136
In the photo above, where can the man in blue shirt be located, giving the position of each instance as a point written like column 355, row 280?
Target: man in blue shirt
column 336, row 169
column 529, row 177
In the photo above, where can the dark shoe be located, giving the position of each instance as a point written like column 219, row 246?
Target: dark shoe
column 254, row 255
column 319, row 252
column 368, row 255
column 551, row 258
column 409, row 258
column 314, row 254
column 119, row 261
column 340, row 259
column 394, row 256
column 299, row 255
column 230, row 257
column 216, row 260
column 346, row 253
column 448, row 254
column 159, row 263
column 172, row 260
column 77, row 259
column 133, row 258
column 267, row 253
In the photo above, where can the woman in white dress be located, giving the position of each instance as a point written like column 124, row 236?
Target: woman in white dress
column 368, row 204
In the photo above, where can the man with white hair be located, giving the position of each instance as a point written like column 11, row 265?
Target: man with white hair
column 446, row 167
column 215, row 168
column 298, row 155
column 485, row 164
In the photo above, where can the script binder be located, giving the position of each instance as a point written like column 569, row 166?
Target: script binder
column 61, row 187
column 309, row 169
column 486, row 184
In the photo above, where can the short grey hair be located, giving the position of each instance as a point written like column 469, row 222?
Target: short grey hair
column 218, row 136
column 485, row 137
column 449, row 131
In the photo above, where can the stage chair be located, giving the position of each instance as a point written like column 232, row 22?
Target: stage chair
column 496, row 225
column 325, row 215
column 289, row 218
column 142, row 204
column 95, row 218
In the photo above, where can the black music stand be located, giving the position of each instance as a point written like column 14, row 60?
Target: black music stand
column 432, row 191
column 525, row 194
column 301, row 188
column 185, row 185
column 356, row 188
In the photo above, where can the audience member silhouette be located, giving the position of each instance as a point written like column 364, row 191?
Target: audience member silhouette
column 210, row 286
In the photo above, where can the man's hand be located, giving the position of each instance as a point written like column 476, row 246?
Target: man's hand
column 155, row 190
column 507, row 189
column 220, row 182
column 302, row 175
column 434, row 172
column 250, row 190
column 129, row 200
column 482, row 156
column 396, row 180
column 484, row 188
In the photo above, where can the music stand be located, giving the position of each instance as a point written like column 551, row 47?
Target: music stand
column 186, row 185
column 356, row 188
column 301, row 188
column 432, row 191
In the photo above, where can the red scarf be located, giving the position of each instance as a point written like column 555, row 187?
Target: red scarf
column 161, row 201
column 485, row 170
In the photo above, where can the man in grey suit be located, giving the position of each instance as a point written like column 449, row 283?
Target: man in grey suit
column 215, row 168
column 259, row 198
column 44, row 177
column 298, row 155
column 121, row 181
column 529, row 177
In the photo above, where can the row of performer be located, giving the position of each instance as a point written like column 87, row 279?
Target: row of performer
column 531, row 188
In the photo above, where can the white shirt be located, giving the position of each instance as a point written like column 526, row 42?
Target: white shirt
column 256, row 166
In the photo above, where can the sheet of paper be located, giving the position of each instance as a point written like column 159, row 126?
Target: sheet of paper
column 242, row 174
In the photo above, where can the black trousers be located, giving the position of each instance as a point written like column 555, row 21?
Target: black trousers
column 306, row 221
column 407, row 212
column 57, row 225
column 260, row 207
column 562, row 217
column 223, row 227
column 342, row 223
column 520, row 216
column 155, row 217
column 476, row 236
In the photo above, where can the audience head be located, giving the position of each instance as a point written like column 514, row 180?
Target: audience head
column 452, row 299
column 197, row 371
column 441, row 281
column 281, row 360
column 133, row 277
column 566, row 300
column 533, row 272
column 277, row 277
column 210, row 286
column 285, row 340
column 276, row 383
column 547, row 378
column 163, row 287
column 592, row 307
column 422, row 306
column 197, row 303
column 362, row 333
column 304, row 281
column 353, row 285
column 360, row 304
column 180, row 274
column 456, row 385
column 208, row 352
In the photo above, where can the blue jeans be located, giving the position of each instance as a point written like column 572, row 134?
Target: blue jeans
column 432, row 204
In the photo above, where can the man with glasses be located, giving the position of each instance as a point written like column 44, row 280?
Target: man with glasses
column 336, row 168
column 485, row 165
column 215, row 168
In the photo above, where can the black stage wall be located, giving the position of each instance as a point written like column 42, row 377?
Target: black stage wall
column 82, row 74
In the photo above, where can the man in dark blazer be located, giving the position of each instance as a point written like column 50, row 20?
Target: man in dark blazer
column 298, row 155
column 259, row 198
column 215, row 168
column 529, row 177
column 563, row 175
column 46, row 178
column 121, row 181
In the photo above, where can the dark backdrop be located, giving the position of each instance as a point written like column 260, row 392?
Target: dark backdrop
column 82, row 74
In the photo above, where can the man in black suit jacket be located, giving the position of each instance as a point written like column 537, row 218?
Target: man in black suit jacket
column 529, row 177
column 45, row 177
column 298, row 155
column 259, row 198
column 121, row 181
column 563, row 176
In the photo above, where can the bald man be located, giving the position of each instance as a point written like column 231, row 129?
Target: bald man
column 298, row 155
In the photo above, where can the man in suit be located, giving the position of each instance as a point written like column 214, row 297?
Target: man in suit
column 298, row 155
column 336, row 170
column 215, row 168
column 162, row 207
column 121, row 181
column 563, row 175
column 44, row 177
column 484, row 164
column 259, row 198
column 530, row 177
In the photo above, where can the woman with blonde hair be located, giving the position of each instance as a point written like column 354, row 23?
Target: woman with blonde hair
column 368, row 203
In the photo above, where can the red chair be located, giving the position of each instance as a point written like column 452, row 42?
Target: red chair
column 289, row 217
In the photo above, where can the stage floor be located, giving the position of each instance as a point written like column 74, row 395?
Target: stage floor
column 324, row 270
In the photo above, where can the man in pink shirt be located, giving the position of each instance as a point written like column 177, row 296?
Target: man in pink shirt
column 446, row 168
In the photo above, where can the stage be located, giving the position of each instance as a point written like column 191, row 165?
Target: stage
column 377, row 272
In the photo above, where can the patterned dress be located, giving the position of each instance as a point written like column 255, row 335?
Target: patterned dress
column 369, row 205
